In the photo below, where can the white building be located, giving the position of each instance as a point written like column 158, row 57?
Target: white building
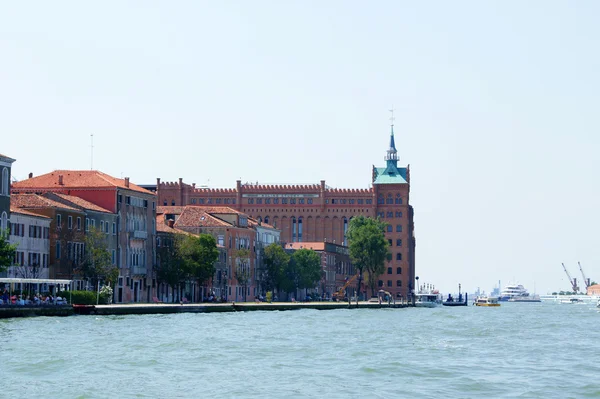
column 31, row 233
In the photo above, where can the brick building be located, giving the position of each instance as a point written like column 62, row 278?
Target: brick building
column 311, row 213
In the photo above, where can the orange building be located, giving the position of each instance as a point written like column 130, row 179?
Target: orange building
column 310, row 213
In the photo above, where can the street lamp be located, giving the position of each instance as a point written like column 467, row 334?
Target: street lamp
column 417, row 287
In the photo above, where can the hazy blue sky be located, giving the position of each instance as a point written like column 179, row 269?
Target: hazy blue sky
column 497, row 111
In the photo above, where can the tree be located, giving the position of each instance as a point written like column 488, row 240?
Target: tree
column 7, row 251
column 198, row 255
column 242, row 269
column 275, row 260
column 97, row 263
column 171, row 269
column 305, row 268
column 368, row 248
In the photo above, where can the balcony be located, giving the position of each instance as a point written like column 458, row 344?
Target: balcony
column 139, row 270
column 140, row 234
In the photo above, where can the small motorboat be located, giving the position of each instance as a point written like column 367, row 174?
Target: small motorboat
column 486, row 301
column 572, row 300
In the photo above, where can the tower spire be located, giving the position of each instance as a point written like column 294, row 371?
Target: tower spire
column 392, row 153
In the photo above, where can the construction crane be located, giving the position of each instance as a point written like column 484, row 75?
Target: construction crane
column 340, row 294
column 573, row 281
column 585, row 280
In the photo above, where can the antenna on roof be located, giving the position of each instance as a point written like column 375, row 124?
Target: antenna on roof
column 92, row 150
column 392, row 119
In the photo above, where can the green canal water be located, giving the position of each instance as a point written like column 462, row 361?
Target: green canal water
column 527, row 350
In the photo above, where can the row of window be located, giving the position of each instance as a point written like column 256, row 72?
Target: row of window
column 135, row 201
column 398, row 242
column 33, row 259
column 18, row 230
column 389, row 283
column 389, row 215
column 390, row 228
column 398, row 270
column 208, row 201
column 351, row 201
column 389, row 200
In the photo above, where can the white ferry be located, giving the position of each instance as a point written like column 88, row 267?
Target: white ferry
column 513, row 291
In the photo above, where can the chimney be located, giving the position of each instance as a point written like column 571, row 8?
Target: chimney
column 30, row 175
column 180, row 181
column 127, row 182
column 170, row 223
column 60, row 180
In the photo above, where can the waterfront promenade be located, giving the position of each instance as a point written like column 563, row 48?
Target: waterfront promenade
column 167, row 308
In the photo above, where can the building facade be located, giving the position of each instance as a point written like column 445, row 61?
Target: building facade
column 5, row 173
column 318, row 213
column 233, row 232
column 30, row 232
column 66, row 235
column 335, row 263
column 135, row 208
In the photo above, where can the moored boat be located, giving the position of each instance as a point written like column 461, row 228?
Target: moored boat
column 486, row 301
column 451, row 301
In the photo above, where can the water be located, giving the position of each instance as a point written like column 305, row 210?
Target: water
column 528, row 350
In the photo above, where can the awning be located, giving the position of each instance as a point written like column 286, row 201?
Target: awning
column 34, row 281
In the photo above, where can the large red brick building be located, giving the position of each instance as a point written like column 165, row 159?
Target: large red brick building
column 309, row 213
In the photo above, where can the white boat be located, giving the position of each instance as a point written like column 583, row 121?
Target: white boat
column 572, row 300
column 513, row 291
column 427, row 300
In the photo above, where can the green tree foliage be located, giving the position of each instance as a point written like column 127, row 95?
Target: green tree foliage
column 242, row 269
column 368, row 248
column 97, row 262
column 7, row 251
column 199, row 254
column 187, row 257
column 305, row 269
column 170, row 267
column 275, row 260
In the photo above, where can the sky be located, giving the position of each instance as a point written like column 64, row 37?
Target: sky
column 496, row 106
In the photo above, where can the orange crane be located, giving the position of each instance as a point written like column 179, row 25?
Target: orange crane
column 340, row 294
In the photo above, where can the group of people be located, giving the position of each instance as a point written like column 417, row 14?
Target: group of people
column 38, row 299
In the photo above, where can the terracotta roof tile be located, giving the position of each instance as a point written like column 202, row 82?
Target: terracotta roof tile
column 34, row 201
column 315, row 246
column 28, row 213
column 76, row 179
column 175, row 210
column 163, row 227
column 78, row 202
column 193, row 216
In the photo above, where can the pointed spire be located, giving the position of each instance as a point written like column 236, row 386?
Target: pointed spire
column 392, row 153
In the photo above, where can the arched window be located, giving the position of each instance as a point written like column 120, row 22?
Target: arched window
column 398, row 199
column 4, row 181
column 300, row 229
column 266, row 220
column 389, row 200
column 4, row 222
column 380, row 199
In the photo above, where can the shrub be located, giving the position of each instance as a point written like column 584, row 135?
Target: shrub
column 81, row 297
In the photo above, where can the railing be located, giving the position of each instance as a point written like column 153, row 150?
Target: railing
column 140, row 234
